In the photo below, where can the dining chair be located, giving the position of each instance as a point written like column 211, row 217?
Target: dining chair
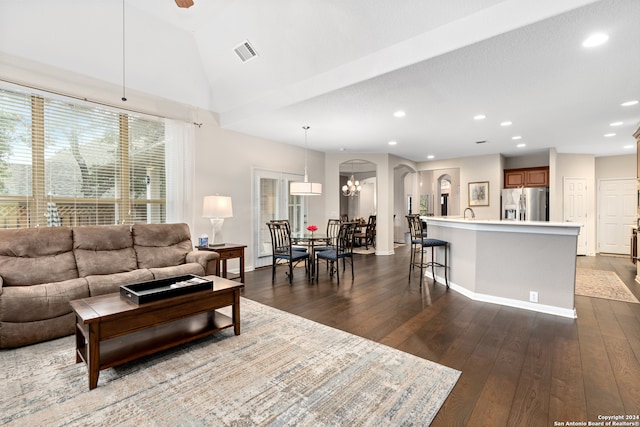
column 368, row 234
column 343, row 250
column 283, row 251
column 419, row 242
column 333, row 228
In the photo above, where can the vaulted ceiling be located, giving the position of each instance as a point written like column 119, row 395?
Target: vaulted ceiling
column 344, row 67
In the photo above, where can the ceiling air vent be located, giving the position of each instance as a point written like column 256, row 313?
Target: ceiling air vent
column 245, row 51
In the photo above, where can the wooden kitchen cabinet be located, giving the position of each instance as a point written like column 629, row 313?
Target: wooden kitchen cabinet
column 526, row 177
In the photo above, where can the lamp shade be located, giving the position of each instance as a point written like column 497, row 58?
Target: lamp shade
column 305, row 188
column 217, row 207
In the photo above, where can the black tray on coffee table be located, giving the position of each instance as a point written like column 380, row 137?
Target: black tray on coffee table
column 154, row 290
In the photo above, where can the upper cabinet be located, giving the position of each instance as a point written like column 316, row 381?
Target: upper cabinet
column 526, row 177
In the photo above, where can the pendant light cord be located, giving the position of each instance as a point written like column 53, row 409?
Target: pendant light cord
column 124, row 97
column 306, row 176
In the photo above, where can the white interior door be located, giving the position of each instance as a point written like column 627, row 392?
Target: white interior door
column 617, row 214
column 272, row 201
column 574, row 208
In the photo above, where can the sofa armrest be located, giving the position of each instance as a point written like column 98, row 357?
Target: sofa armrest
column 207, row 259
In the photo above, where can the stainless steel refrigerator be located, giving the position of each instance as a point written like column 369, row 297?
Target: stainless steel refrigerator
column 525, row 204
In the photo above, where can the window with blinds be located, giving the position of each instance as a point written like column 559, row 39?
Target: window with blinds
column 63, row 162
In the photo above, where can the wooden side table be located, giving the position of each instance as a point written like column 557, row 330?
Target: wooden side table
column 227, row 251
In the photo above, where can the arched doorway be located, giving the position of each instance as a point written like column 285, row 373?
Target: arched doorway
column 444, row 185
column 362, row 203
column 406, row 199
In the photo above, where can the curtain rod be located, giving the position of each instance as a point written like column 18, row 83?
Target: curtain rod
column 79, row 98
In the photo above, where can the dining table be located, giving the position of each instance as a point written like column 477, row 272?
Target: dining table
column 311, row 241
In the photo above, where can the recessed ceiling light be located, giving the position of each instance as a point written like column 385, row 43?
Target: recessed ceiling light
column 516, row 137
column 595, row 40
column 629, row 103
column 522, row 145
column 615, row 124
column 393, row 142
column 479, row 117
column 430, row 156
column 629, row 146
column 507, row 123
column 399, row 113
column 609, row 135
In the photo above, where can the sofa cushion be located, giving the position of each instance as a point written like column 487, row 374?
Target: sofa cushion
column 179, row 270
column 103, row 249
column 40, row 302
column 109, row 283
column 25, row 333
column 161, row 245
column 31, row 256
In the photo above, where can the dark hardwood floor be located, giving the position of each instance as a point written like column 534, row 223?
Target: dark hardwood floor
column 519, row 368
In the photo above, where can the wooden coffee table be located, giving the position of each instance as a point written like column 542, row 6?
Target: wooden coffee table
column 112, row 330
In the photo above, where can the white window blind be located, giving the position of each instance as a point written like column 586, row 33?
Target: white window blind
column 63, row 162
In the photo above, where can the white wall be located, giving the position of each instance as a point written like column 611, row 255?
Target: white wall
column 529, row 161
column 477, row 169
column 429, row 185
column 616, row 167
column 224, row 164
column 472, row 169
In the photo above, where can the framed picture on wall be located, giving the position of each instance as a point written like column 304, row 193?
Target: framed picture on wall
column 479, row 193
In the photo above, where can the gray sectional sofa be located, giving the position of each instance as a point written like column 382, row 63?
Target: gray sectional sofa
column 42, row 269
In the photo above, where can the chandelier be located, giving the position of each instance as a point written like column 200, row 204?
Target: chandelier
column 353, row 187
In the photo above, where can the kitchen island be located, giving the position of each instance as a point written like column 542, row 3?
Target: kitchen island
column 524, row 264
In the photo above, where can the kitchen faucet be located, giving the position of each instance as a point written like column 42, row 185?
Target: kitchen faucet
column 473, row 215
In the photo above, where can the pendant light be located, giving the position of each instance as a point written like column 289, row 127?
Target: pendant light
column 305, row 188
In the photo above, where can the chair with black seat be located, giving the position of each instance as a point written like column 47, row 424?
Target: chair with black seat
column 282, row 249
column 299, row 248
column 333, row 229
column 368, row 234
column 343, row 249
column 419, row 242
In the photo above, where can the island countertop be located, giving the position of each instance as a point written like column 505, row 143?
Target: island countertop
column 524, row 264
column 543, row 227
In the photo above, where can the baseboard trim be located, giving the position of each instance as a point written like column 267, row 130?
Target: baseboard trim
column 525, row 305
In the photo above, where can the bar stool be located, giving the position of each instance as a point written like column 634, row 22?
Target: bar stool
column 419, row 242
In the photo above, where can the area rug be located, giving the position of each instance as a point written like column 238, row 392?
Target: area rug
column 282, row 370
column 602, row 284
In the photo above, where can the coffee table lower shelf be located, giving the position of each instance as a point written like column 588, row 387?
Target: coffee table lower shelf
column 116, row 351
column 111, row 330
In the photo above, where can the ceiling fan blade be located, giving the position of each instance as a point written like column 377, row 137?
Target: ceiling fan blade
column 184, row 3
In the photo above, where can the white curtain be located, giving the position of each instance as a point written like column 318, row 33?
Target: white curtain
column 179, row 154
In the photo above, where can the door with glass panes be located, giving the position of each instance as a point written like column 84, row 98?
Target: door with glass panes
column 273, row 201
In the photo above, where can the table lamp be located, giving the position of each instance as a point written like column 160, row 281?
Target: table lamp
column 217, row 208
